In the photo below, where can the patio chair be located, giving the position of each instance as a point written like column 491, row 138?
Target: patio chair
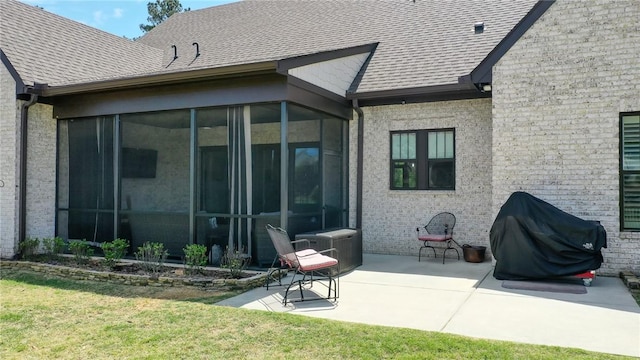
column 438, row 230
column 312, row 265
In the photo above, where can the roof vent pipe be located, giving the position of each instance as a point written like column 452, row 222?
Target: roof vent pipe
column 478, row 27
column 197, row 48
column 175, row 52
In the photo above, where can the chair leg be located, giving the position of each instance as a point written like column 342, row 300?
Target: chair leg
column 424, row 247
column 293, row 281
column 449, row 247
column 273, row 269
column 307, row 278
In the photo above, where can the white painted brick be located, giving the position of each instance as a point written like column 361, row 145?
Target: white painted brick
column 41, row 162
column 390, row 217
column 558, row 93
column 9, row 120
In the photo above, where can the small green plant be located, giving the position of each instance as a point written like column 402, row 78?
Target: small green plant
column 236, row 261
column 81, row 251
column 29, row 248
column 195, row 257
column 114, row 251
column 152, row 256
column 53, row 246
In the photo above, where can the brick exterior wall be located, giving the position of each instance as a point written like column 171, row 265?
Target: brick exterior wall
column 9, row 121
column 41, row 172
column 390, row 217
column 557, row 97
column 41, row 162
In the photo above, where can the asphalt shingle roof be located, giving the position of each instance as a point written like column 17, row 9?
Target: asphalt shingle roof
column 421, row 43
column 47, row 48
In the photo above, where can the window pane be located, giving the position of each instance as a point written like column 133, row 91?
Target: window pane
column 404, row 147
column 631, row 142
column 306, row 176
column 433, row 154
column 631, row 201
column 441, row 174
column 395, row 145
column 411, row 138
column 404, row 175
column 440, row 146
column 449, row 145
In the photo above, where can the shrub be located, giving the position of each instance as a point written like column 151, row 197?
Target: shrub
column 236, row 261
column 195, row 257
column 152, row 256
column 53, row 246
column 114, row 251
column 29, row 247
column 81, row 251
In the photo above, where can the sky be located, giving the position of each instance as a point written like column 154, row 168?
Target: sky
column 119, row 17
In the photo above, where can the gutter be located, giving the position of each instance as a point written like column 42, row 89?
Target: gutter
column 359, row 163
column 162, row 78
column 22, row 172
column 458, row 91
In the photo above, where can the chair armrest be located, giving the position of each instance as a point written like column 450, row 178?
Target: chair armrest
column 302, row 240
column 332, row 250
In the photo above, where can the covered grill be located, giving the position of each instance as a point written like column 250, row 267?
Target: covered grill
column 532, row 239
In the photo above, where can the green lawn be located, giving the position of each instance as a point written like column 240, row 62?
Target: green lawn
column 48, row 318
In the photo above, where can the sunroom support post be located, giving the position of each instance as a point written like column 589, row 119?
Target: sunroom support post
column 284, row 165
column 116, row 177
column 192, row 176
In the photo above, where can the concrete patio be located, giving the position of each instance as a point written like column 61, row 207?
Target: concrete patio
column 464, row 298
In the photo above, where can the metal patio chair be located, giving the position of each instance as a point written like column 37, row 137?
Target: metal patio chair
column 438, row 230
column 312, row 265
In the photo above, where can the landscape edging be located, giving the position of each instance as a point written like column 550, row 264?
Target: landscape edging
column 74, row 273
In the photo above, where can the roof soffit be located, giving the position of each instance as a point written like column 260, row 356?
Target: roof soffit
column 334, row 71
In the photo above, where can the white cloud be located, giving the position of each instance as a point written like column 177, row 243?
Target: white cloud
column 117, row 13
column 99, row 17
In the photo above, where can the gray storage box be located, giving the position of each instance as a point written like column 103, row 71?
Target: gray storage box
column 348, row 242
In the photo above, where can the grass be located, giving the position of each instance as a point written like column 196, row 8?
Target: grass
column 46, row 318
column 636, row 294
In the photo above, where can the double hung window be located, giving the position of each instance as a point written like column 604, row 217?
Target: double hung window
column 423, row 160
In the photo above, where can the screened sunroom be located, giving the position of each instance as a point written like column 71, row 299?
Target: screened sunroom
column 206, row 175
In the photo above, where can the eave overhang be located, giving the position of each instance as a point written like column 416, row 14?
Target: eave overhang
column 20, row 86
column 162, row 79
column 460, row 91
